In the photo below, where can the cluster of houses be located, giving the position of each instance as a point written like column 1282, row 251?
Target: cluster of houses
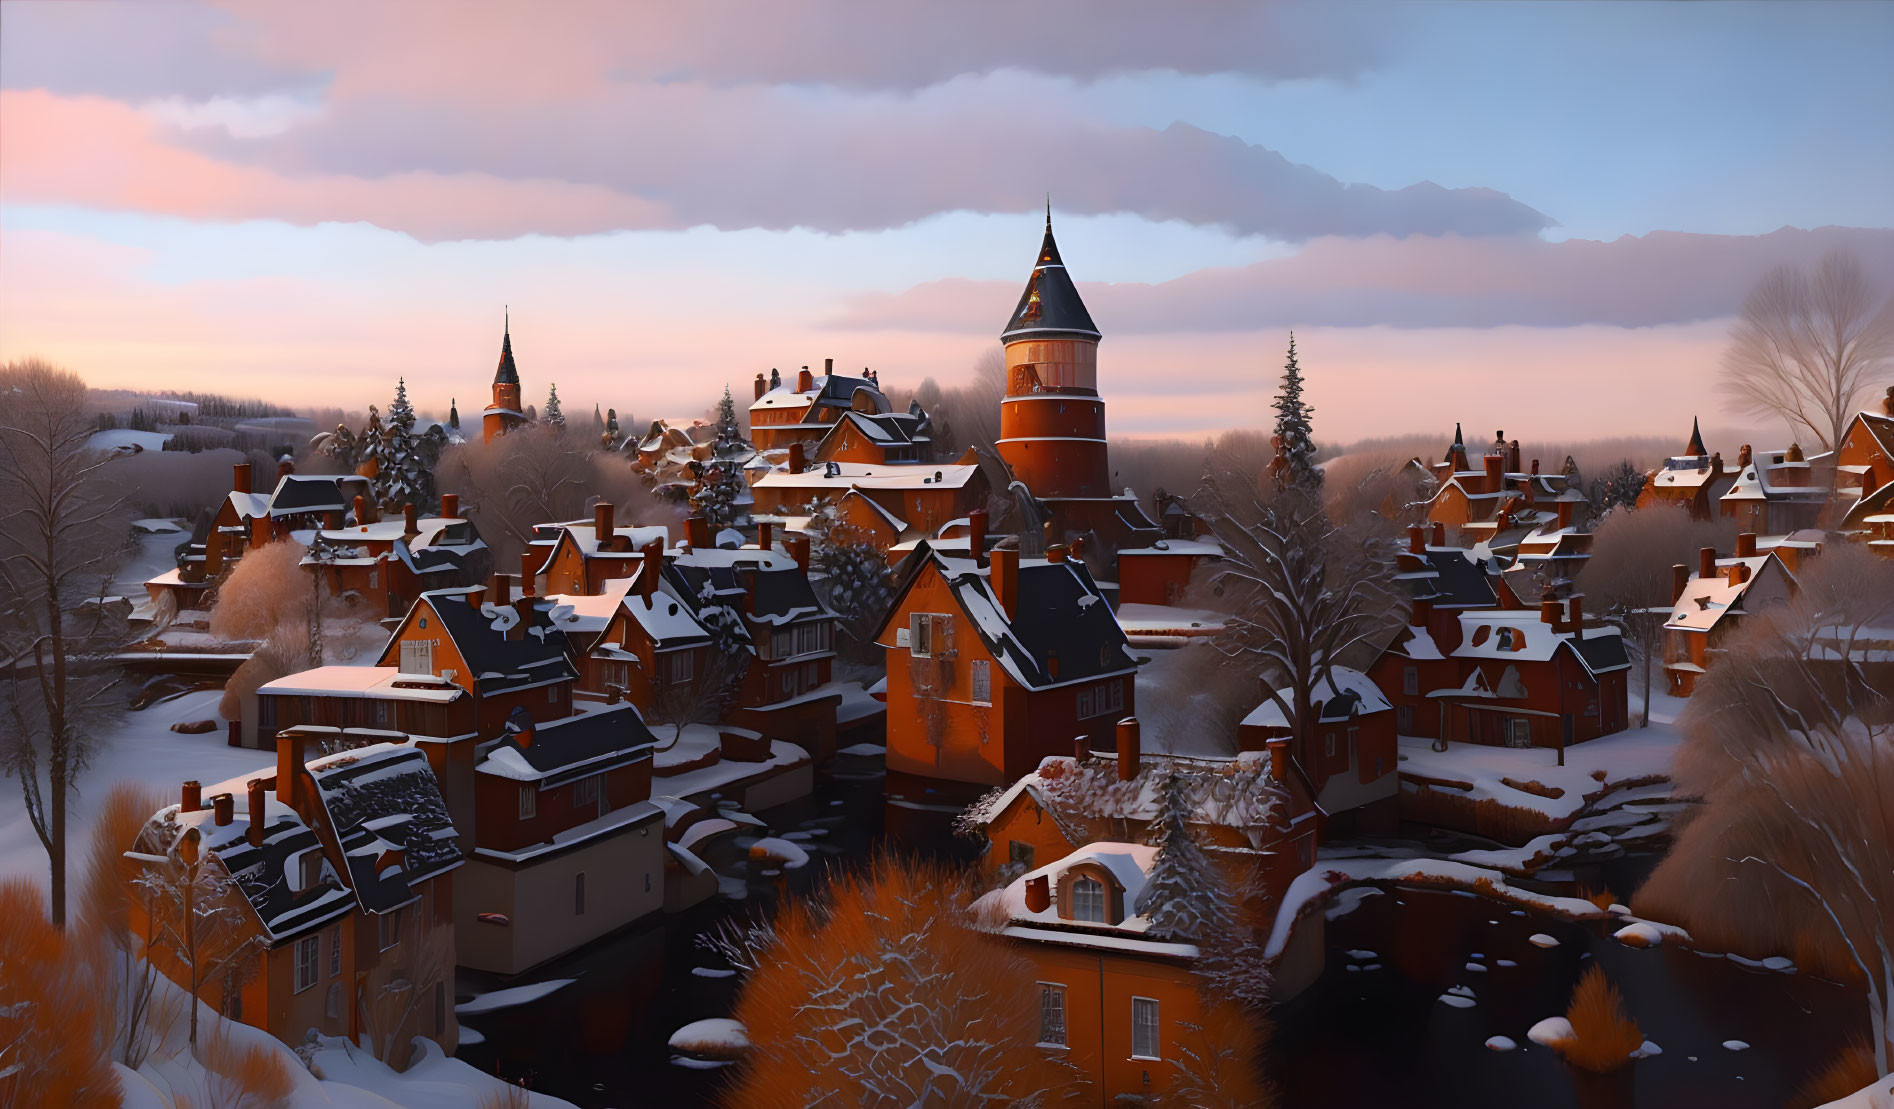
column 517, row 771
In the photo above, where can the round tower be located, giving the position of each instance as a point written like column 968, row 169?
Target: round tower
column 1052, row 420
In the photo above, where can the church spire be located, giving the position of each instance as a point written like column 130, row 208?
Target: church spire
column 507, row 374
column 1695, row 447
column 1051, row 302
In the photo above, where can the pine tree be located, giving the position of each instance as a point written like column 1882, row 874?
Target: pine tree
column 401, row 412
column 554, row 417
column 1294, row 436
column 1181, row 895
column 453, row 415
column 854, row 580
column 730, row 441
column 404, row 462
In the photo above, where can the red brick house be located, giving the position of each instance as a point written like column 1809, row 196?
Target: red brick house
column 1864, row 467
column 1776, row 492
column 587, row 554
column 1709, row 605
column 385, row 566
column 805, row 408
column 917, row 498
column 1254, row 816
column 640, row 642
column 1498, row 503
column 878, row 439
column 991, row 668
column 1695, row 479
column 345, row 866
column 1349, row 759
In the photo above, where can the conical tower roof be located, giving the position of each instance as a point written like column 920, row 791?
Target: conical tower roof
column 507, row 374
column 1694, row 449
column 1051, row 304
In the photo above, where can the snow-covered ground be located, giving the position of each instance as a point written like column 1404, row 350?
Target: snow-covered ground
column 1632, row 756
column 126, row 437
column 141, row 749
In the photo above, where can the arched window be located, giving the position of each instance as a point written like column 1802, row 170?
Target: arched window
column 1088, row 900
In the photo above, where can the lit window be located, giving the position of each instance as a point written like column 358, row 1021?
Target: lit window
column 308, row 954
column 1051, row 1014
column 1144, row 1028
column 1088, row 900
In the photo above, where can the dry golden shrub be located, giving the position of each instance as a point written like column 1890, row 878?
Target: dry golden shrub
column 1603, row 1035
column 52, row 1046
column 251, row 1076
column 1850, row 1070
column 879, row 994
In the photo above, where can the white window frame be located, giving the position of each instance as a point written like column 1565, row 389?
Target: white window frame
column 982, row 681
column 921, row 634
column 388, row 929
column 586, row 790
column 1099, row 900
column 529, row 801
column 1153, row 1028
column 1052, row 1020
column 308, row 962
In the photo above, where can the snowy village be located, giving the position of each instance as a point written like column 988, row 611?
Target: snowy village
column 1460, row 674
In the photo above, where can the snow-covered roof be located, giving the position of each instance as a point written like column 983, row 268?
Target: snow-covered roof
column 1345, row 694
column 1521, row 635
column 364, row 681
column 1128, row 866
column 1204, row 547
column 268, row 874
column 1705, row 601
column 864, row 475
column 1087, row 797
column 572, row 747
column 380, row 799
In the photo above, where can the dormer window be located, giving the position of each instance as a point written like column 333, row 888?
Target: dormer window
column 1088, row 900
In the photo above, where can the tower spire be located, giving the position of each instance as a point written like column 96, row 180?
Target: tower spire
column 1694, row 448
column 1048, row 213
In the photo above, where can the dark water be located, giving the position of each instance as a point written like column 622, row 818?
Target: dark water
column 1360, row 1039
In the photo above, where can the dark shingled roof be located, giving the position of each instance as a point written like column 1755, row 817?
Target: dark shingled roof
column 1601, row 652
column 1457, row 581
column 580, row 746
column 381, row 797
column 496, row 663
column 784, row 595
column 299, row 493
column 507, row 374
column 262, row 871
column 1051, row 302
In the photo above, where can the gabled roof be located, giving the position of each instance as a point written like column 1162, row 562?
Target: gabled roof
column 1520, row 635
column 495, row 662
column 1344, row 695
column 1059, row 612
column 1050, row 304
column 570, row 748
column 385, row 798
column 299, row 493
column 267, row 874
column 782, row 596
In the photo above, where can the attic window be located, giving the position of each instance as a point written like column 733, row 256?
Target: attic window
column 1088, row 900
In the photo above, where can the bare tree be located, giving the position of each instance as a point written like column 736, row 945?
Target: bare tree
column 61, row 531
column 1628, row 577
column 702, row 698
column 1807, row 345
column 1790, row 743
column 196, row 912
column 1303, row 595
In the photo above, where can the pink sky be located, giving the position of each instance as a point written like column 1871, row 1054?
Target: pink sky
column 306, row 202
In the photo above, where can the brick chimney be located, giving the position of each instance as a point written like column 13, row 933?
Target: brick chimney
column 602, row 529
column 652, row 570
column 1056, row 552
column 1440, row 534
column 1746, row 545
column 828, row 366
column 1495, row 472
column 1278, row 749
column 1416, row 539
column 257, row 812
column 1005, row 580
column 1038, row 894
column 1549, row 607
column 409, row 529
column 762, row 386
column 799, row 550
column 976, row 535
column 1738, row 573
column 193, row 798
column 259, row 530
column 1535, row 467
column 361, row 510
column 1679, row 581
column 697, row 530
column 1706, row 562
column 804, row 382
column 1575, row 608
column 450, row 506
column 240, row 478
column 223, row 809
column 289, row 766
column 1564, row 509
column 1081, row 747
column 1423, row 612
column 765, row 535
column 500, row 591
column 1128, row 748
column 796, row 462
column 529, row 578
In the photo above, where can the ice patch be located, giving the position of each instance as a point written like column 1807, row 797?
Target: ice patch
column 1540, row 939
column 1552, row 1031
column 1500, row 1043
column 1735, row 1045
column 506, row 999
